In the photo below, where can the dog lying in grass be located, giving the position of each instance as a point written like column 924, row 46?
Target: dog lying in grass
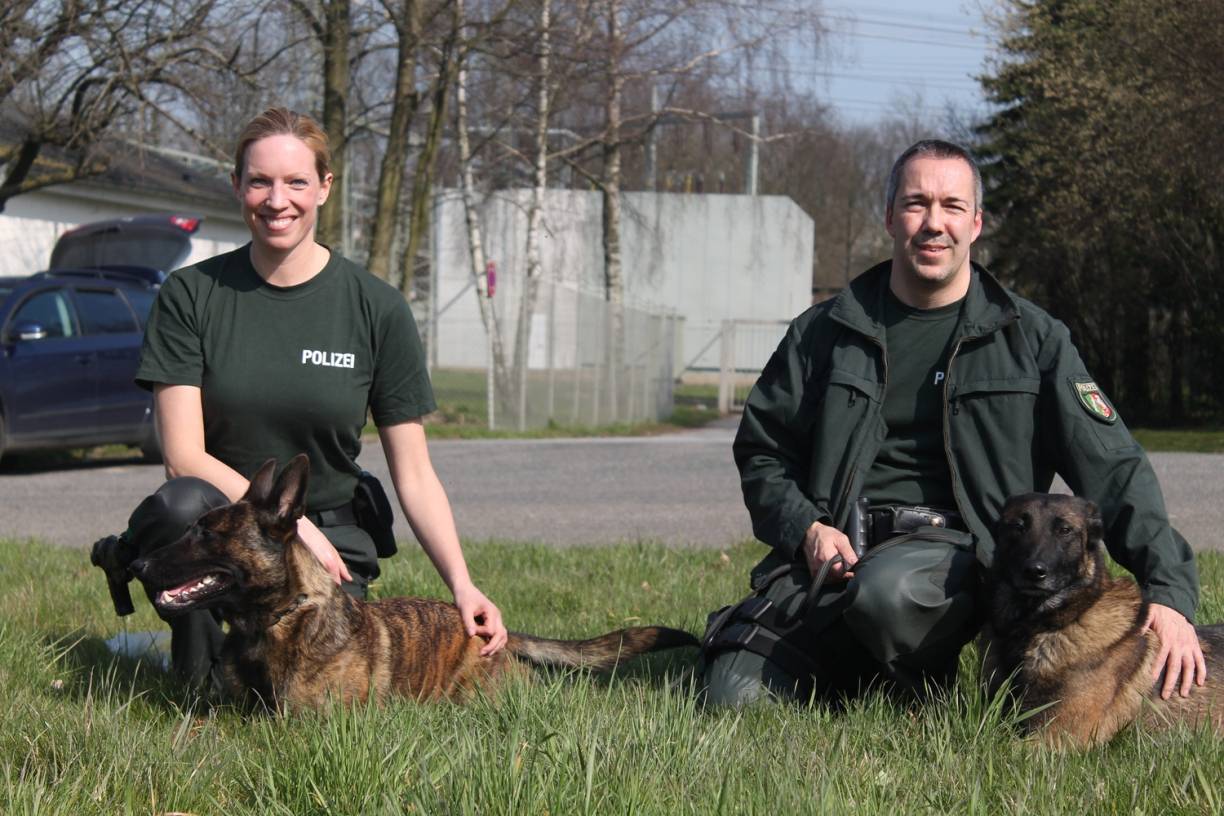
column 296, row 639
column 1069, row 638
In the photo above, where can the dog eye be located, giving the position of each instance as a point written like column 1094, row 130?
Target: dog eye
column 1063, row 529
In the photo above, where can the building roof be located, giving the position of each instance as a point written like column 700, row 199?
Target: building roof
column 138, row 168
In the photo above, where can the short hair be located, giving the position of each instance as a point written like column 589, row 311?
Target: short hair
column 284, row 122
column 935, row 148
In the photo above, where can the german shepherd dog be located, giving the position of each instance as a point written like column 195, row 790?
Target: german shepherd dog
column 295, row 638
column 1068, row 637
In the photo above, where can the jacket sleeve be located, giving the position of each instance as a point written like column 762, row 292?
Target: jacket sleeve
column 773, row 446
column 1096, row 455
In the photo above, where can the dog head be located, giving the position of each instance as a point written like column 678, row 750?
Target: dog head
column 233, row 557
column 1049, row 551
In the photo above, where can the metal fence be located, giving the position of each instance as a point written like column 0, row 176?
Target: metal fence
column 744, row 348
column 585, row 364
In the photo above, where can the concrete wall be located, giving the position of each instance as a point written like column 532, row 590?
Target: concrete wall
column 707, row 258
column 31, row 223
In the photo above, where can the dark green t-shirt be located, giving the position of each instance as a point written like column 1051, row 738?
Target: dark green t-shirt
column 912, row 465
column 288, row 370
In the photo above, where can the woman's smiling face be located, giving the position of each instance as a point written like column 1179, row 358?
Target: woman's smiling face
column 281, row 192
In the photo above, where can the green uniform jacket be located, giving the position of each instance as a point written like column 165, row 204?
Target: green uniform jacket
column 1013, row 417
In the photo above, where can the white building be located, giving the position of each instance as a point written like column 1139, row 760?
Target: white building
column 707, row 258
column 137, row 184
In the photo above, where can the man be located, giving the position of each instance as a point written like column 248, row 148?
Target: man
column 933, row 393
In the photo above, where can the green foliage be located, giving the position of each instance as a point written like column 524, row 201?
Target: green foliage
column 1109, row 199
column 84, row 732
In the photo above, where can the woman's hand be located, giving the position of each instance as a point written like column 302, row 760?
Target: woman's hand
column 481, row 618
column 323, row 550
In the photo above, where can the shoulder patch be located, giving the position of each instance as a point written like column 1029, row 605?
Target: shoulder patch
column 1093, row 401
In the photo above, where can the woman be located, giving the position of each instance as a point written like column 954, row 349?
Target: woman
column 279, row 348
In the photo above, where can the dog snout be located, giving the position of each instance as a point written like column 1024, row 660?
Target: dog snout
column 138, row 567
column 1035, row 571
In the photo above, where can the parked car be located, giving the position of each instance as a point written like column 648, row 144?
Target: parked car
column 70, row 336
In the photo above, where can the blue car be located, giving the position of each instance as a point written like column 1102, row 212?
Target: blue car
column 70, row 337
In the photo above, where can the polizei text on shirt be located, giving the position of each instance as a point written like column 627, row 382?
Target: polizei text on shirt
column 331, row 359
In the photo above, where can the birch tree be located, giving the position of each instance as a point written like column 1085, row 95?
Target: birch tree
column 535, row 212
column 500, row 381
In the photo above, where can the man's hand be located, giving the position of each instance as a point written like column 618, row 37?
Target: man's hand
column 1180, row 656
column 821, row 543
column 323, row 550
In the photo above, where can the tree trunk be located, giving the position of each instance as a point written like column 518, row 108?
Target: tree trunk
column 404, row 107
column 422, row 179
column 614, row 284
column 535, row 213
column 19, row 170
column 499, row 392
column 336, row 31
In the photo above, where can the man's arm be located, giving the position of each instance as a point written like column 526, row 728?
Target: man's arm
column 772, row 449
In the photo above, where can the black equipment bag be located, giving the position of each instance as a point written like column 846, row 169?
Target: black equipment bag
column 374, row 514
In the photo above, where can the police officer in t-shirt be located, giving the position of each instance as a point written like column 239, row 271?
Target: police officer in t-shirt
column 279, row 348
column 906, row 411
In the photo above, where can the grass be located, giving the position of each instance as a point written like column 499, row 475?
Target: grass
column 1181, row 440
column 463, row 410
column 82, row 732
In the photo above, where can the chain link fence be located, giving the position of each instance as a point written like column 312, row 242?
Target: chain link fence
column 583, row 362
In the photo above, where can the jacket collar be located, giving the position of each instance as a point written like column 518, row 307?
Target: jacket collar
column 860, row 306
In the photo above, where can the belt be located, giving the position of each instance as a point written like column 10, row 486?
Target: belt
column 334, row 517
column 890, row 520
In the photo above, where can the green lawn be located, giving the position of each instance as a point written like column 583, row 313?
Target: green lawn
column 463, row 410
column 1181, row 440
column 82, row 732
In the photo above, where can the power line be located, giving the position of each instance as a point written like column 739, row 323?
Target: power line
column 962, row 32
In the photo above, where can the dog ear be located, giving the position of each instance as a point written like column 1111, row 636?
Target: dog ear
column 261, row 484
column 289, row 495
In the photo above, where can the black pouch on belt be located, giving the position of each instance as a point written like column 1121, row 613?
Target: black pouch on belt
column 374, row 514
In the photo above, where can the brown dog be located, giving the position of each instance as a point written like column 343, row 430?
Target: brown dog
column 1069, row 637
column 295, row 638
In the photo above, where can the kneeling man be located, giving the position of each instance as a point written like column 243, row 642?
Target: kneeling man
column 916, row 402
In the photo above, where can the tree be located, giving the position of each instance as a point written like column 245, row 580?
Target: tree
column 331, row 23
column 75, row 72
column 1110, row 210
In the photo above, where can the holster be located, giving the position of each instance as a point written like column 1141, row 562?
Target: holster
column 374, row 515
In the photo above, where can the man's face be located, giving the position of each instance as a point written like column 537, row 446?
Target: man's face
column 932, row 221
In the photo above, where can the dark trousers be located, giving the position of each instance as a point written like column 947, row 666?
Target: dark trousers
column 901, row 621
column 195, row 637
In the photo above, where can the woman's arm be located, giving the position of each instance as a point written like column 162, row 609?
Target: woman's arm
column 178, row 411
column 429, row 513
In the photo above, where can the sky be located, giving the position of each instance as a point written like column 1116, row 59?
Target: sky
column 884, row 52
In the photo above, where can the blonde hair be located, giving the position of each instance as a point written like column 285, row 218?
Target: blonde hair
column 282, row 121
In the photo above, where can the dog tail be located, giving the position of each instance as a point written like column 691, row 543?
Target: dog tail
column 600, row 653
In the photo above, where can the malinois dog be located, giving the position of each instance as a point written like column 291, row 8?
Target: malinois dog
column 296, row 639
column 1069, row 638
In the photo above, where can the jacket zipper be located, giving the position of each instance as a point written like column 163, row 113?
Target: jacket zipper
column 844, row 498
column 949, row 397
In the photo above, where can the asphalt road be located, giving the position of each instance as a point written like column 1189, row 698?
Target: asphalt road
column 680, row 489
